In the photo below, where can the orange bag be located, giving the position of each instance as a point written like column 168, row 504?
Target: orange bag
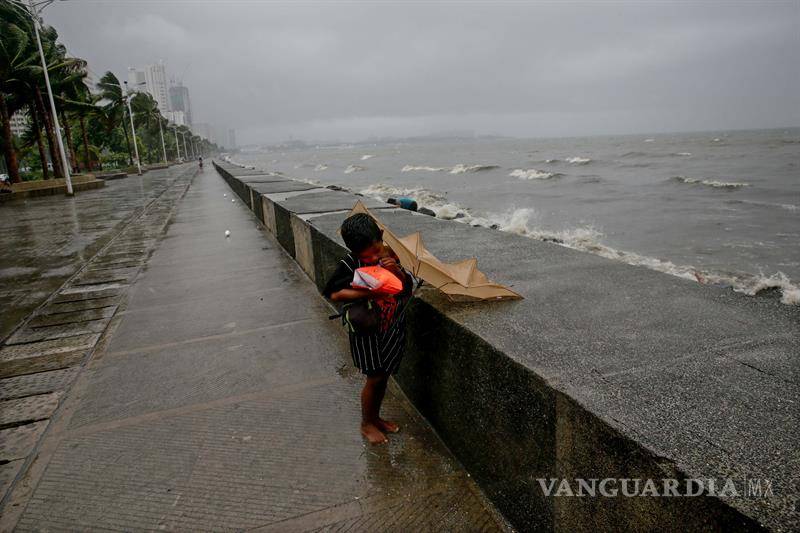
column 377, row 279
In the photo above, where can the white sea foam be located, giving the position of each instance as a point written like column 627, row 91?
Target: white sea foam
column 320, row 168
column 649, row 140
column 532, row 174
column 578, row 160
column 711, row 183
column 685, row 154
column 435, row 201
column 551, row 160
column 353, row 168
column 413, row 168
column 367, row 156
column 588, row 239
column 461, row 169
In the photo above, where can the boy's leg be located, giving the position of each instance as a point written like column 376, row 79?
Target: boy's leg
column 371, row 397
column 384, row 425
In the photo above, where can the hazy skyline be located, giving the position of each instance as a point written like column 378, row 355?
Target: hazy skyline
column 348, row 71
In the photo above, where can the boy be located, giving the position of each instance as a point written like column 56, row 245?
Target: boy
column 377, row 355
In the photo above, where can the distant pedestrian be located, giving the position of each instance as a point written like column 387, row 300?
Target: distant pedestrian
column 376, row 323
column 201, row 161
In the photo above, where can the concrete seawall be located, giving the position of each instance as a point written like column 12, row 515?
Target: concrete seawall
column 604, row 370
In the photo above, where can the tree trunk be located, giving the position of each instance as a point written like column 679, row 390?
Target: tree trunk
column 87, row 161
column 9, row 153
column 37, row 132
column 68, row 132
column 58, row 167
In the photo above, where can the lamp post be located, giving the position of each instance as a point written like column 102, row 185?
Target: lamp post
column 185, row 150
column 34, row 14
column 133, row 130
column 163, row 146
column 177, row 144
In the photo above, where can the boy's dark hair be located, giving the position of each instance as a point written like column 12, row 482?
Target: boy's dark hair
column 360, row 231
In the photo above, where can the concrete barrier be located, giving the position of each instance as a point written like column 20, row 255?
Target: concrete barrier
column 604, row 370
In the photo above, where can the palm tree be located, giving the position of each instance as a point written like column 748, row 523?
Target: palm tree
column 114, row 109
column 15, row 60
column 147, row 114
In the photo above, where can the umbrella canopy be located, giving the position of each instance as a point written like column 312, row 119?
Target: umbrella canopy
column 462, row 279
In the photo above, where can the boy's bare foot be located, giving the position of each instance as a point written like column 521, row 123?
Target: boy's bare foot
column 388, row 427
column 373, row 434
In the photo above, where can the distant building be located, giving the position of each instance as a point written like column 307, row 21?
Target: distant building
column 203, row 129
column 231, row 139
column 19, row 123
column 179, row 101
column 154, row 79
column 176, row 117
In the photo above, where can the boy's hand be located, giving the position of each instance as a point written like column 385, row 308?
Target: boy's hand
column 391, row 264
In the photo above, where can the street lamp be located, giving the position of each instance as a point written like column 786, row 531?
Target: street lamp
column 34, row 14
column 133, row 130
column 177, row 144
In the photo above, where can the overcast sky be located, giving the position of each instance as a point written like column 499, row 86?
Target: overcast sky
column 334, row 70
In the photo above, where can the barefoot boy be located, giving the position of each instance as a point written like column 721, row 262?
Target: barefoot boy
column 377, row 354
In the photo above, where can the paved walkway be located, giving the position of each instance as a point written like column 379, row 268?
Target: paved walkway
column 221, row 397
column 46, row 240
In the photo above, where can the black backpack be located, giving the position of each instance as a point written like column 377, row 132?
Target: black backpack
column 361, row 317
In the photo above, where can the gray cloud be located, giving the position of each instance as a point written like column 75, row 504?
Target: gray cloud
column 348, row 70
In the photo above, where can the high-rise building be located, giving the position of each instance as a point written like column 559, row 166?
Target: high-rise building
column 19, row 123
column 177, row 117
column 179, row 101
column 231, row 138
column 203, row 129
column 154, row 79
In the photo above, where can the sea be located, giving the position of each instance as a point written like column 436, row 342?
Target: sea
column 719, row 208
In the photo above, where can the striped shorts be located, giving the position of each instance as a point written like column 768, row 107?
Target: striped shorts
column 379, row 352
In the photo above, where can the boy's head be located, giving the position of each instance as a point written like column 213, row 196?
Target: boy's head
column 363, row 236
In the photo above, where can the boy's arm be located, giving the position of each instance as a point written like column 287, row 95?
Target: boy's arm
column 347, row 295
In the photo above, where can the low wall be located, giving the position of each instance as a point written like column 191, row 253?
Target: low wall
column 604, row 370
column 30, row 189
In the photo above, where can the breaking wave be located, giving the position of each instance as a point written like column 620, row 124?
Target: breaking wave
column 532, row 174
column 367, row 156
column 412, row 168
column 320, row 168
column 461, row 169
column 587, row 239
column 435, row 201
column 711, row 183
column 353, row 168
column 458, row 169
column 578, row 160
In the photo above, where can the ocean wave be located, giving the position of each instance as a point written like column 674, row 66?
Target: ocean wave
column 588, row 239
column 461, row 169
column 788, row 207
column 353, row 168
column 550, row 161
column 320, row 168
column 412, row 168
column 682, row 154
column 649, row 140
column 458, row 169
column 578, row 160
column 711, row 183
column 435, row 201
column 532, row 174
column 367, row 156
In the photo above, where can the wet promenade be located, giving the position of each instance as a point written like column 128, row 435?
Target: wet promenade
column 218, row 396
